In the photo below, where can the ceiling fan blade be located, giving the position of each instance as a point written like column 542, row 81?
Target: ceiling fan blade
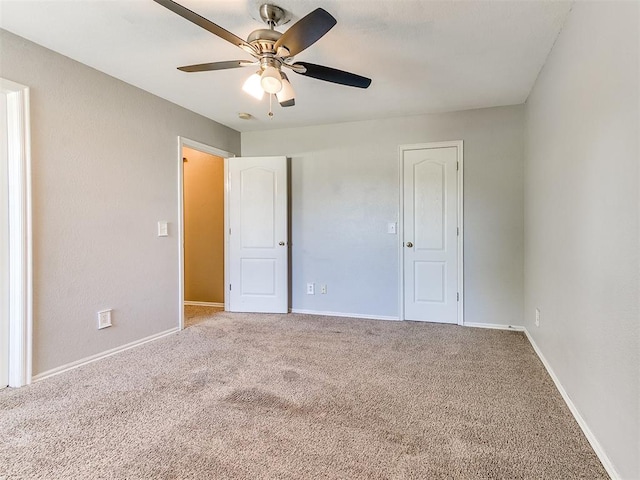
column 306, row 31
column 206, row 24
column 207, row 67
column 332, row 75
column 288, row 103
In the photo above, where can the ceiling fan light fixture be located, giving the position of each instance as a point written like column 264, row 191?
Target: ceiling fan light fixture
column 271, row 81
column 287, row 92
column 273, row 50
column 252, row 86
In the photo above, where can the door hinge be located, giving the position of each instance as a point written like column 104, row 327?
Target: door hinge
column 457, row 165
column 457, row 297
column 458, row 231
column 229, row 231
column 229, row 287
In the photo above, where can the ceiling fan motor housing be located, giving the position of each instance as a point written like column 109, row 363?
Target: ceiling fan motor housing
column 264, row 40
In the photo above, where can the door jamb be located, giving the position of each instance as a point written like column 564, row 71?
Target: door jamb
column 460, row 213
column 186, row 142
column 20, row 233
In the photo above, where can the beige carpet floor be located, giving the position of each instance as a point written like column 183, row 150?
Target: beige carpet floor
column 300, row 397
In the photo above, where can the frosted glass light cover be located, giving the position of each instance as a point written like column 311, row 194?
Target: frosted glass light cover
column 286, row 93
column 252, row 87
column 271, row 82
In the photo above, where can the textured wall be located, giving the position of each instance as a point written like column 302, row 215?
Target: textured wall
column 104, row 172
column 581, row 213
column 203, row 227
column 345, row 189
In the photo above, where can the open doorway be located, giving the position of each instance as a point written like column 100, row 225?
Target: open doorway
column 202, row 231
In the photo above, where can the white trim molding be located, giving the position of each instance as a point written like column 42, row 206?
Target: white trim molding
column 101, row 355
column 20, row 240
column 342, row 314
column 203, row 304
column 495, row 326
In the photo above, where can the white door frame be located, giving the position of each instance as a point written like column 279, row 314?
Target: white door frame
column 20, row 240
column 201, row 147
column 420, row 146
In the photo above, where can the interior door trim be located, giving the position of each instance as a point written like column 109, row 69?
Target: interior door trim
column 460, row 186
column 20, row 233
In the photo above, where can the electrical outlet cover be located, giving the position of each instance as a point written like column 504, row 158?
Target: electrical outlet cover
column 104, row 319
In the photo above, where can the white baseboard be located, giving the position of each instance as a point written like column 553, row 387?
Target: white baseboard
column 204, row 304
column 495, row 326
column 98, row 356
column 341, row 314
column 597, row 448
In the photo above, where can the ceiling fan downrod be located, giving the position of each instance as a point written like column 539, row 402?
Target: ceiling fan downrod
column 273, row 15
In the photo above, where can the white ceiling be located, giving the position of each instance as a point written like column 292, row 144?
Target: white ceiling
column 423, row 56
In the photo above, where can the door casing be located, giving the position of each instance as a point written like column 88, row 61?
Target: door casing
column 20, row 237
column 4, row 246
column 460, row 193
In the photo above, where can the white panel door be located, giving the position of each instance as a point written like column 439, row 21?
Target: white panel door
column 258, row 259
column 430, row 234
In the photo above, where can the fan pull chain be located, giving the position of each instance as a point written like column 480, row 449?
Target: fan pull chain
column 270, row 106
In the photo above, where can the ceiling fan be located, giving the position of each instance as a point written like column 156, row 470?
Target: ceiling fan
column 273, row 50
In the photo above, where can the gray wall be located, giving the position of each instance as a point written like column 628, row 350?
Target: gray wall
column 345, row 191
column 581, row 210
column 104, row 172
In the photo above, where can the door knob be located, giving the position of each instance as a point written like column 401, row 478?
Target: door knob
column 281, row 244
column 409, row 244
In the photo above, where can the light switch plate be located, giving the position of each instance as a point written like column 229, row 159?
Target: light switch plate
column 163, row 229
column 391, row 228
